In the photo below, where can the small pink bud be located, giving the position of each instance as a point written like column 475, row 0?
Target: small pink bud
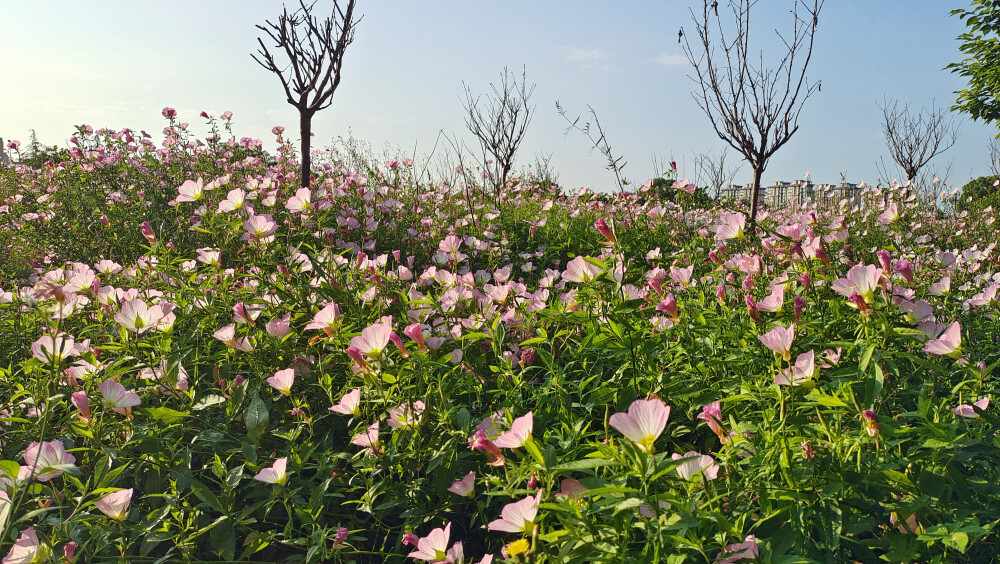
column 800, row 304
column 147, row 232
column 533, row 482
column 69, row 551
column 752, row 308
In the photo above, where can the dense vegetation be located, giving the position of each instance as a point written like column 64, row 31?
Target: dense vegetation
column 203, row 361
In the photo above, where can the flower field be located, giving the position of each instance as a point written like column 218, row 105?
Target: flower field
column 203, row 361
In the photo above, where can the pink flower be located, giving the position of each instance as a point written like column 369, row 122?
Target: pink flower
column 779, row 340
column 571, row 488
column 580, row 270
column 749, row 549
column 941, row 287
column 235, row 200
column 349, row 403
column 685, row 186
column 275, row 474
column 115, row 504
column 464, row 487
column 55, row 348
column 416, row 333
column 773, row 302
column 602, row 227
column 644, row 422
column 282, row 381
column 948, row 344
column 668, row 305
column 519, row 516
column 368, row 437
column 682, row 276
column 405, row 415
column 115, row 396
column 259, row 229
column 480, row 441
column 861, row 280
column 697, row 464
column 42, row 459
column 712, row 414
column 137, row 316
column 340, row 537
column 301, row 202
column 434, row 547
column 326, row 319
column 966, row 410
column 227, row 335
column 80, row 401
column 357, row 357
column 281, row 327
column 244, row 314
column 373, row 339
column 169, row 113
column 69, row 551
column 191, row 191
column 27, row 549
column 803, row 373
column 730, row 226
column 520, row 432
column 890, row 215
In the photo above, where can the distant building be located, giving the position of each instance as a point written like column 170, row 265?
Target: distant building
column 795, row 193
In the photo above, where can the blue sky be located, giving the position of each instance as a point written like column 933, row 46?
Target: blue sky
column 117, row 64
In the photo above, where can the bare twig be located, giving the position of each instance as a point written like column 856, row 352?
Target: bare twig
column 315, row 52
column 753, row 108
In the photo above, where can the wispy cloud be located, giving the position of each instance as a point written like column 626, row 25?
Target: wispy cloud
column 584, row 55
column 672, row 60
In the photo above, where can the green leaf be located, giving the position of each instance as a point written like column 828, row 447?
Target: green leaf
column 824, row 399
column 533, row 449
column 582, row 464
column 208, row 401
column 10, row 468
column 164, row 415
column 257, row 418
column 866, row 356
column 898, row 477
column 223, row 540
column 206, row 495
column 629, row 503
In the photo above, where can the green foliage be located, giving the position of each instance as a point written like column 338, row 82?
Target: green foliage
column 871, row 462
column 981, row 45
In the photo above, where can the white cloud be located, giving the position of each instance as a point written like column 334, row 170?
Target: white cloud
column 584, row 55
column 672, row 60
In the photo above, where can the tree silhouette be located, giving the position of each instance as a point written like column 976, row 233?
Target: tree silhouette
column 315, row 53
column 753, row 108
column 914, row 140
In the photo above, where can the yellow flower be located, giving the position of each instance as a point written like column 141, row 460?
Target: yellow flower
column 519, row 546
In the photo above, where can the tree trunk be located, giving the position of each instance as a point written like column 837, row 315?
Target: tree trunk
column 758, row 171
column 305, row 129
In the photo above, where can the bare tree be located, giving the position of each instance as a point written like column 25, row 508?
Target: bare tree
column 713, row 172
column 994, row 156
column 315, row 53
column 499, row 125
column 753, row 108
column 914, row 140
